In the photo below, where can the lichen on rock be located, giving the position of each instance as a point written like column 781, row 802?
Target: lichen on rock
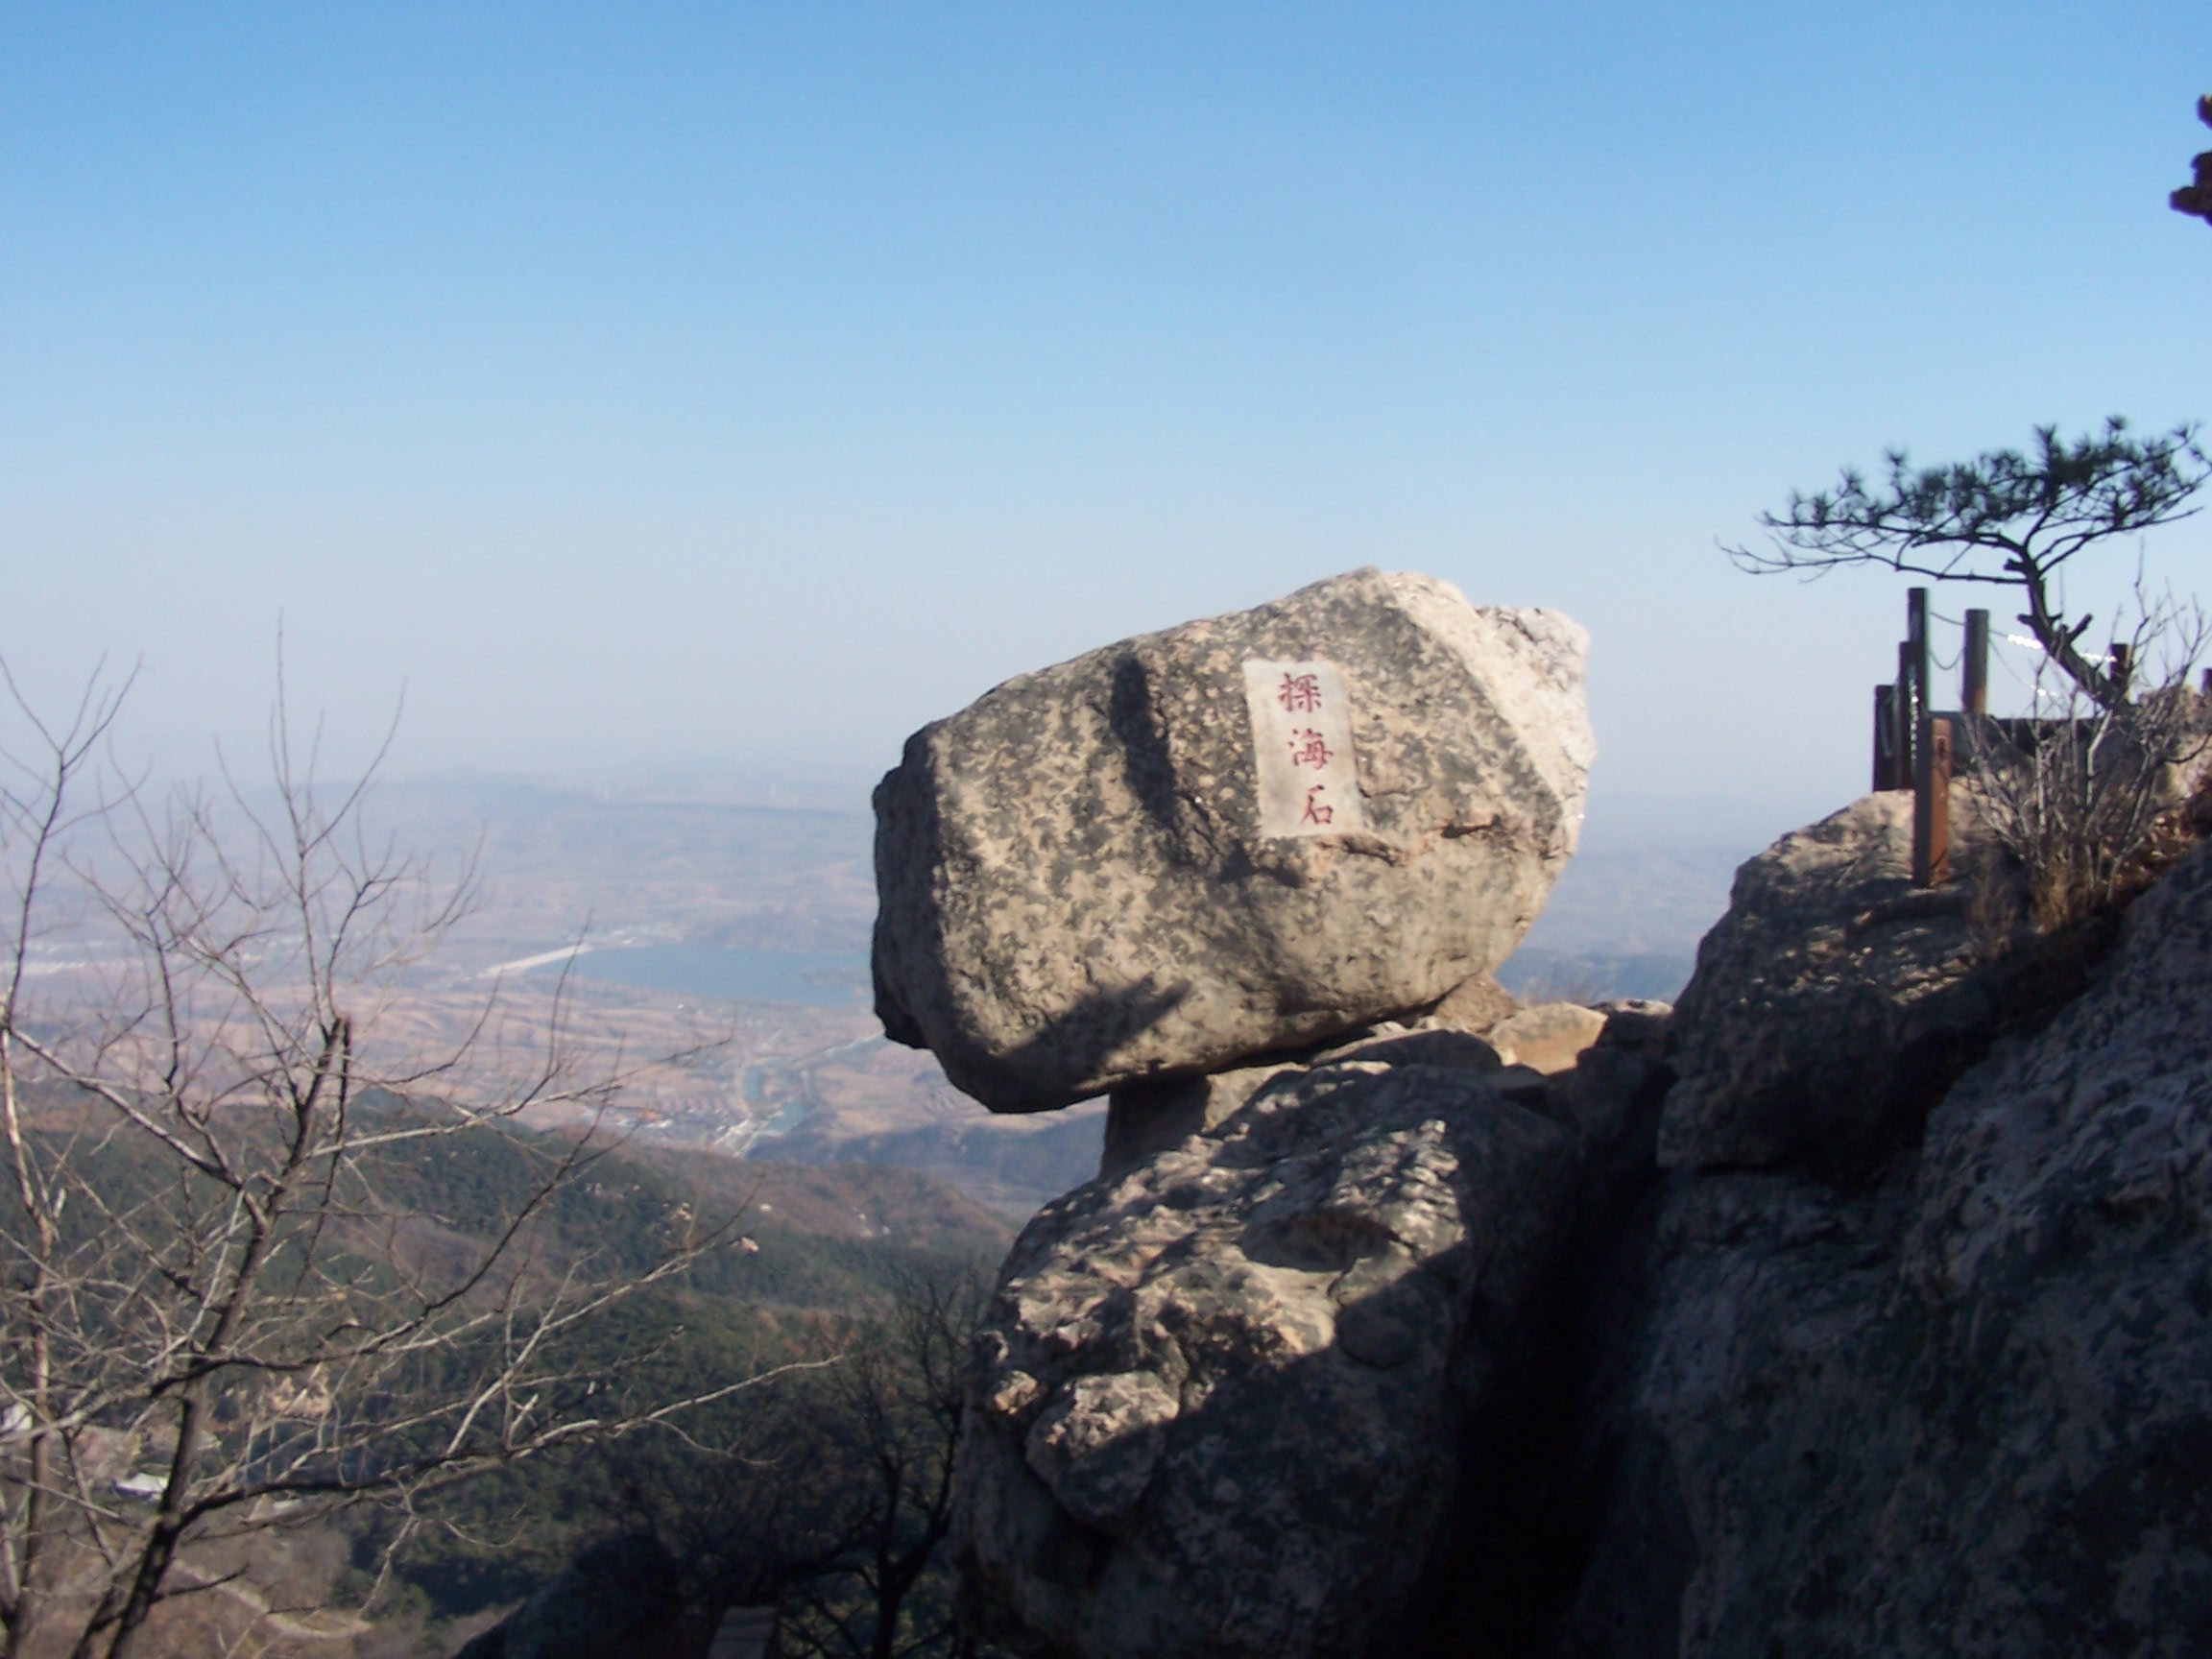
column 1210, row 1405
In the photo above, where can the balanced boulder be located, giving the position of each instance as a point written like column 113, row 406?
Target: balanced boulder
column 1245, row 834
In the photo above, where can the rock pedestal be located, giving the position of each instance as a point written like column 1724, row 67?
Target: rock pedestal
column 1244, row 834
column 1213, row 1408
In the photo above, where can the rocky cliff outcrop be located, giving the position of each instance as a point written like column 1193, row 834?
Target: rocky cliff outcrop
column 1960, row 1406
column 1832, row 1005
column 1232, row 1400
column 1883, row 1327
column 1245, row 834
column 1862, row 1306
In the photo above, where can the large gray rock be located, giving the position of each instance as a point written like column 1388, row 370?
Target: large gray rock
column 1835, row 1002
column 1216, row 1406
column 1965, row 1410
column 1247, row 833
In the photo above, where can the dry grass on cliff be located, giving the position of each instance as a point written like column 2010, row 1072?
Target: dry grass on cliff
column 2077, row 816
column 2091, row 805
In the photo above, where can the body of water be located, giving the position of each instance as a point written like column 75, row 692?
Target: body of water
column 817, row 978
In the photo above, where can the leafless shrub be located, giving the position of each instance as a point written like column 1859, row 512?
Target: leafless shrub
column 212, row 1280
column 2087, row 797
column 899, row 1401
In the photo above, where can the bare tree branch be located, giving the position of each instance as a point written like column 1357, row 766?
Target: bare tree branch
column 207, row 1253
column 2003, row 519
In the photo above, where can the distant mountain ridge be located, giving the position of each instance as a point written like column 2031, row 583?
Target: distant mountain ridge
column 718, row 858
column 1651, row 875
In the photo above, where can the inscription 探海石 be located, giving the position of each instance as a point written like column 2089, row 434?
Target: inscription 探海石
column 1309, row 777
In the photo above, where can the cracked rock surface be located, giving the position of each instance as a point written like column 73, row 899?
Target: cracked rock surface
column 1215, row 1405
column 1965, row 1409
column 1832, row 1004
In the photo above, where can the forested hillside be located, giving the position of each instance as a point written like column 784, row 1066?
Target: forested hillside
column 835, row 1286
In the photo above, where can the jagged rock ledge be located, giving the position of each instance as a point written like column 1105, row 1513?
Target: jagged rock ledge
column 1951, row 1403
column 1400, row 1351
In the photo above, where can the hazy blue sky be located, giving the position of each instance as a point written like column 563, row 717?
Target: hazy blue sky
column 657, row 381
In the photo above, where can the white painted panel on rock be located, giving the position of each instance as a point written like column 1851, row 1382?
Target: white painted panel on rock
column 1302, row 748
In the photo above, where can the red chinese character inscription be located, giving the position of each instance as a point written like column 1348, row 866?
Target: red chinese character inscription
column 1304, row 752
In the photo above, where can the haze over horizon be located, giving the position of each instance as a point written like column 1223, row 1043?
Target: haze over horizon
column 681, row 384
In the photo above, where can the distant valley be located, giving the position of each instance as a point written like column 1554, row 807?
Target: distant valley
column 725, row 927
column 1651, row 875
